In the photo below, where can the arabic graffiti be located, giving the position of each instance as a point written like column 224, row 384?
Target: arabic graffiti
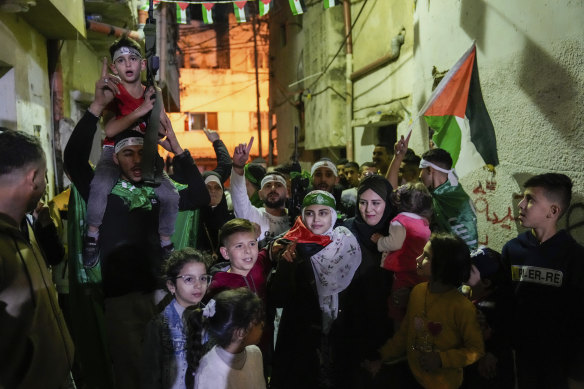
column 503, row 219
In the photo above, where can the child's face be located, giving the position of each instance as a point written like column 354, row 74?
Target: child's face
column 424, row 262
column 536, row 210
column 191, row 284
column 241, row 249
column 128, row 67
column 254, row 333
column 317, row 218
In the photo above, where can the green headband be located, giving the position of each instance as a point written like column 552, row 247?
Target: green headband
column 250, row 176
column 319, row 197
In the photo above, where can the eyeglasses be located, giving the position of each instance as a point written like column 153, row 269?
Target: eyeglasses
column 191, row 280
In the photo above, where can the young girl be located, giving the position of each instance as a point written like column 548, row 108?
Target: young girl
column 234, row 322
column 409, row 232
column 165, row 342
column 440, row 333
column 318, row 265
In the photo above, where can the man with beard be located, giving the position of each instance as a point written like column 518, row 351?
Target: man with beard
column 325, row 177
column 272, row 218
column 35, row 343
column 130, row 250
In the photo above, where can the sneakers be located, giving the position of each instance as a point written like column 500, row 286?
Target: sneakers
column 90, row 252
column 166, row 250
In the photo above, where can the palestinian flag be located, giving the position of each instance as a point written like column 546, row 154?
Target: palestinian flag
column 296, row 7
column 181, row 13
column 264, row 7
column 207, row 9
column 239, row 10
column 457, row 114
column 329, row 3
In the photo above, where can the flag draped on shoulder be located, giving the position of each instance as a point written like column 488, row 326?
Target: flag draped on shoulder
column 296, row 7
column 207, row 9
column 239, row 10
column 458, row 115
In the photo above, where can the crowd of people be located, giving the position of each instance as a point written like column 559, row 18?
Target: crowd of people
column 379, row 280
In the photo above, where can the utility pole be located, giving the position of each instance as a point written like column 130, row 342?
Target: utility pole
column 257, row 79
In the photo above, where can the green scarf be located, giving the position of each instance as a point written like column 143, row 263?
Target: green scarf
column 134, row 196
column 454, row 212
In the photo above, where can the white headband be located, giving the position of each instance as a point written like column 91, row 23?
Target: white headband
column 132, row 141
column 273, row 177
column 327, row 164
column 213, row 178
column 452, row 177
column 126, row 50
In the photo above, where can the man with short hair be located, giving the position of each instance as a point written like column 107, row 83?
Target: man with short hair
column 409, row 170
column 453, row 209
column 382, row 155
column 35, row 344
column 367, row 169
column 352, row 174
column 547, row 274
column 131, row 255
column 349, row 195
column 272, row 218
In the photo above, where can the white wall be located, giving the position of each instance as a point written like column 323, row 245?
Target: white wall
column 530, row 57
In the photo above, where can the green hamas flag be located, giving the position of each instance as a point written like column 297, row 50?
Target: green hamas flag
column 458, row 115
column 86, row 300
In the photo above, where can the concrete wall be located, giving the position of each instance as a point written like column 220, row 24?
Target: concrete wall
column 24, row 50
column 229, row 92
column 324, row 103
column 384, row 96
column 286, row 43
column 530, row 57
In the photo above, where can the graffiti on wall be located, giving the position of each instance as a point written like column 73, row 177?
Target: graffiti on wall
column 503, row 219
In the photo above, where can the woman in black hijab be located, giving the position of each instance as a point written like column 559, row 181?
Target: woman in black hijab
column 364, row 325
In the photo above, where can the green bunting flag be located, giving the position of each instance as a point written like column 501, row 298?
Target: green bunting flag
column 239, row 10
column 296, row 7
column 458, row 115
column 181, row 13
column 264, row 7
column 207, row 9
column 329, row 3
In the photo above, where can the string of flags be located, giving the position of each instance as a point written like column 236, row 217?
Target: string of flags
column 264, row 7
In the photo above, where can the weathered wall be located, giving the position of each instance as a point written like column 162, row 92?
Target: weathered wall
column 384, row 95
column 81, row 68
column 325, row 95
column 25, row 50
column 286, row 43
column 530, row 57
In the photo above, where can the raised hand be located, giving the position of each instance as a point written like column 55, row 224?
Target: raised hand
column 401, row 146
column 211, row 135
column 105, row 89
column 241, row 155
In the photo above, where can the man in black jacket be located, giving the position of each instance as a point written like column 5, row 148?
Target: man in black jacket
column 129, row 242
